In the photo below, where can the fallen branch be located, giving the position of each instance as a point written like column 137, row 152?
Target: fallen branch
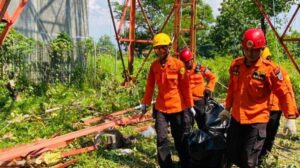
column 22, row 151
column 52, row 110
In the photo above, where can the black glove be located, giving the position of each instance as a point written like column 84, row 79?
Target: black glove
column 154, row 112
column 207, row 95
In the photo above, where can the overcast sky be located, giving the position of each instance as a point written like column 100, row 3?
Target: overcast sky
column 100, row 21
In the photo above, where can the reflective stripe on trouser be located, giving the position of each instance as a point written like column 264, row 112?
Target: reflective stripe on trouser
column 245, row 142
column 178, row 129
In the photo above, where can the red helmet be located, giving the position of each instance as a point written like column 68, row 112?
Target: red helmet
column 254, row 39
column 186, row 54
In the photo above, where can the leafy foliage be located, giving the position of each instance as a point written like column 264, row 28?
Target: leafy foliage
column 95, row 79
column 60, row 52
column 157, row 11
column 237, row 16
column 105, row 45
column 14, row 54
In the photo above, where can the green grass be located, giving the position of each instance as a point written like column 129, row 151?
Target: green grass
column 26, row 121
column 286, row 151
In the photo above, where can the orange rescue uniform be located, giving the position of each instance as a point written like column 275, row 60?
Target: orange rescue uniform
column 274, row 102
column 249, row 90
column 197, row 76
column 174, row 94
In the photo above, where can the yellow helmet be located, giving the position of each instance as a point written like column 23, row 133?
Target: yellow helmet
column 266, row 53
column 161, row 39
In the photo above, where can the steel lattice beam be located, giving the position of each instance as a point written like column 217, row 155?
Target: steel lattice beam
column 131, row 40
column 7, row 19
column 281, row 38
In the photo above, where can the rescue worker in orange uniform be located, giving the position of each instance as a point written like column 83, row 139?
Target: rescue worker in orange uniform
column 173, row 101
column 201, row 91
column 252, row 79
column 275, row 115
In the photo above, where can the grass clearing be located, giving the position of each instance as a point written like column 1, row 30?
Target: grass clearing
column 26, row 121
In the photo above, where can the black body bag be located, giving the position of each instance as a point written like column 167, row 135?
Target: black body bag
column 207, row 146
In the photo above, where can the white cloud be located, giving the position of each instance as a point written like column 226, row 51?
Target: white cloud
column 296, row 22
column 96, row 7
column 92, row 4
column 215, row 5
column 99, row 19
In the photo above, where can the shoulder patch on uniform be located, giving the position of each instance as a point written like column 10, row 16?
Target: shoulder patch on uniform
column 278, row 73
column 182, row 71
column 236, row 70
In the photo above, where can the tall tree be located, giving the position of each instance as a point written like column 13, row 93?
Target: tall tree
column 236, row 16
column 157, row 12
column 205, row 21
column 105, row 45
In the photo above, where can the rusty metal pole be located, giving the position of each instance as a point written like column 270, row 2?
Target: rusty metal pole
column 3, row 7
column 145, row 17
column 193, row 28
column 131, row 36
column 126, row 75
column 279, row 38
column 26, row 150
column 290, row 22
column 122, row 20
column 148, row 54
column 177, row 14
column 11, row 20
